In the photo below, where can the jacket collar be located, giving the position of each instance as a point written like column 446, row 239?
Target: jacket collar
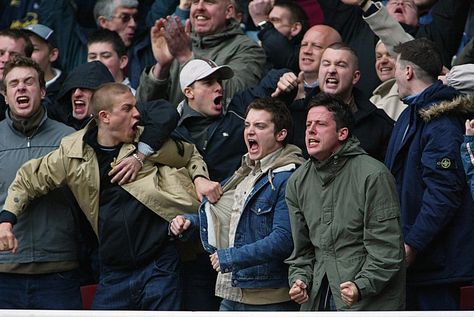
column 330, row 168
column 232, row 29
column 463, row 104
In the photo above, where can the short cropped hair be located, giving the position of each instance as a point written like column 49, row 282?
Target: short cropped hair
column 107, row 36
column 281, row 116
column 22, row 61
column 341, row 112
column 17, row 35
column 344, row 47
column 106, row 8
column 105, row 95
column 297, row 13
column 424, row 54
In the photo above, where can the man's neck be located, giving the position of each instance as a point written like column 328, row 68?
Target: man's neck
column 49, row 74
column 310, row 78
column 104, row 138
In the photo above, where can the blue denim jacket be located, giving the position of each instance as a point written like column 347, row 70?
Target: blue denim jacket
column 263, row 236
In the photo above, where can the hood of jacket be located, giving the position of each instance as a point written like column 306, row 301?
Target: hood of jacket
column 329, row 168
column 461, row 105
column 289, row 159
column 89, row 75
column 232, row 29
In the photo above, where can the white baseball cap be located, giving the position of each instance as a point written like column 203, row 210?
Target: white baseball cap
column 197, row 69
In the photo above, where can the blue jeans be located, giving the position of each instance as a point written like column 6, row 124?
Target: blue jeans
column 229, row 305
column 155, row 286
column 40, row 291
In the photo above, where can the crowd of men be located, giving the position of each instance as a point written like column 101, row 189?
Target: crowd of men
column 227, row 155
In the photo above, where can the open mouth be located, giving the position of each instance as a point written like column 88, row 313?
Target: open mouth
column 79, row 106
column 22, row 100
column 398, row 11
column 313, row 142
column 218, row 100
column 253, row 145
column 201, row 18
column 331, row 82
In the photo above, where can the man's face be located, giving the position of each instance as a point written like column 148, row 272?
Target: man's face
column 124, row 22
column 80, row 99
column 205, row 96
column 384, row 63
column 313, row 44
column 23, row 91
column 404, row 11
column 337, row 73
column 259, row 134
column 10, row 47
column 281, row 20
column 123, row 118
column 400, row 76
column 41, row 53
column 210, row 16
column 322, row 138
column 104, row 52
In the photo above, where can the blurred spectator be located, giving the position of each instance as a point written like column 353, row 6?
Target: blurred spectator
column 282, row 27
column 385, row 96
column 215, row 35
column 449, row 17
column 46, row 53
column 107, row 46
column 338, row 74
column 436, row 207
column 12, row 43
column 120, row 16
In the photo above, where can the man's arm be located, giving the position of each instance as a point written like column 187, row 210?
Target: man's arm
column 35, row 178
column 443, row 183
column 382, row 238
column 301, row 260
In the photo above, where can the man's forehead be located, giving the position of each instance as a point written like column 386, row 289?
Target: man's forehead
column 21, row 72
column 337, row 54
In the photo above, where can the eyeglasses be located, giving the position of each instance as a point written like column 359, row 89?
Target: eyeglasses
column 125, row 17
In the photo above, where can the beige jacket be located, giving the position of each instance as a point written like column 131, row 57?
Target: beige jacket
column 164, row 184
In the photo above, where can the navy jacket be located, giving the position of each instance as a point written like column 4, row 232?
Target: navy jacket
column 437, row 212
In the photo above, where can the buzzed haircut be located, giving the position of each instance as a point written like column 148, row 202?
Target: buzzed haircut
column 22, row 61
column 341, row 111
column 106, row 7
column 424, row 54
column 296, row 11
column 107, row 36
column 344, row 47
column 281, row 116
column 17, row 35
column 105, row 95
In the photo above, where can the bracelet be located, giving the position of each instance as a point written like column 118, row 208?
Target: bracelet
column 363, row 3
column 138, row 158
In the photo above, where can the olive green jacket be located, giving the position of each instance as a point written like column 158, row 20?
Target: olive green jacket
column 344, row 215
column 164, row 183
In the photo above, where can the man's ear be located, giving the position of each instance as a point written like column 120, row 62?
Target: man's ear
column 295, row 29
column 103, row 22
column 229, row 11
column 104, row 116
column 188, row 92
column 281, row 135
column 355, row 77
column 123, row 62
column 43, row 93
column 53, row 55
column 409, row 72
column 342, row 134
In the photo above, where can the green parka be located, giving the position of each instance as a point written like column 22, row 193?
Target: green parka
column 344, row 214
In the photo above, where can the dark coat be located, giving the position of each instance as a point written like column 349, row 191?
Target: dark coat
column 436, row 208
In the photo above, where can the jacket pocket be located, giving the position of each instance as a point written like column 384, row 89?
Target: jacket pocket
column 261, row 217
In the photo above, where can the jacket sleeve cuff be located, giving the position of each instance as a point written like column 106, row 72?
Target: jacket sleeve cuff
column 363, row 286
column 6, row 216
column 225, row 260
